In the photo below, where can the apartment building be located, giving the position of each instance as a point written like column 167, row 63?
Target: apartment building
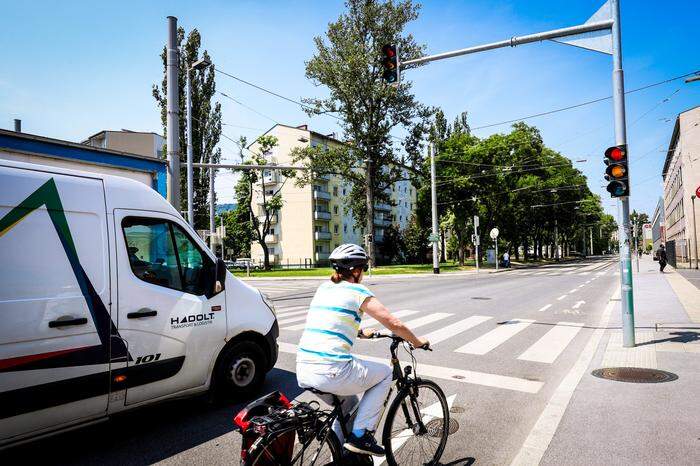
column 315, row 218
column 658, row 232
column 681, row 178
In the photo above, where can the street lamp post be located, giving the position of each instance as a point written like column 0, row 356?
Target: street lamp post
column 198, row 65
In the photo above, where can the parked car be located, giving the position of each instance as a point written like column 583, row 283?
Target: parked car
column 111, row 301
column 244, row 263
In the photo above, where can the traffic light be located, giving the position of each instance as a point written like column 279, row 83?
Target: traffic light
column 390, row 64
column 617, row 172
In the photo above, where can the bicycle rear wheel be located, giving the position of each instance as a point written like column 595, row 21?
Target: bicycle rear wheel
column 406, row 441
column 312, row 452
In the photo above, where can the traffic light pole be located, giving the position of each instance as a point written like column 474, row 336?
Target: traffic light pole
column 618, row 97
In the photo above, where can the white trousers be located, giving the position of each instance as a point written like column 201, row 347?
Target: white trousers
column 347, row 380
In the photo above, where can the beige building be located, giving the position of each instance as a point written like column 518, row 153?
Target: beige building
column 681, row 176
column 314, row 219
column 133, row 142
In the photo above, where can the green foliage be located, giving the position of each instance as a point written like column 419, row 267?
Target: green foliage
column 392, row 247
column 238, row 231
column 346, row 62
column 206, row 121
column 415, row 242
column 514, row 182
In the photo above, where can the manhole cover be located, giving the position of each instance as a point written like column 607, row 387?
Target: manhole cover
column 481, row 298
column 457, row 409
column 634, row 375
column 435, row 427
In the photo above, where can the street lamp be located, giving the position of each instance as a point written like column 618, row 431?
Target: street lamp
column 198, row 65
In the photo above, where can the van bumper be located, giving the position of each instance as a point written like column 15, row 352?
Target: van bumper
column 271, row 339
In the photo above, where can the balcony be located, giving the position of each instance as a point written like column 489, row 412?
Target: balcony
column 322, row 195
column 273, row 219
column 382, row 221
column 271, row 238
column 382, row 207
column 270, row 179
column 322, row 235
column 322, row 215
column 322, row 177
column 322, row 256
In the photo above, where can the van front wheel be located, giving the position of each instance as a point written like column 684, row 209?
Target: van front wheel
column 241, row 371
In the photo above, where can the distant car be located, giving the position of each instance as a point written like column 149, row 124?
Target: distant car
column 244, row 263
column 229, row 264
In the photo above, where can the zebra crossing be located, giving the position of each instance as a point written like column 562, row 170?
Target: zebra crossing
column 547, row 345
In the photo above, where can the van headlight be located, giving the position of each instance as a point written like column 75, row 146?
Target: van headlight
column 268, row 302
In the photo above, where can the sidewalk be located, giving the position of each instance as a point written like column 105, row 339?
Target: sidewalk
column 610, row 422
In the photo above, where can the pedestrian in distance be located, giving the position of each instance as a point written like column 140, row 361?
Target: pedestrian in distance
column 661, row 256
column 506, row 260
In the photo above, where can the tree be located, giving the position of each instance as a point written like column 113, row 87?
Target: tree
column 392, row 248
column 346, row 61
column 415, row 242
column 638, row 218
column 206, row 121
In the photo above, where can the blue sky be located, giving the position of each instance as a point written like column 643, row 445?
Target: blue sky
column 73, row 68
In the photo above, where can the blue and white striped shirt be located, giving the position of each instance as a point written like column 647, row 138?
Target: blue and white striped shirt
column 332, row 322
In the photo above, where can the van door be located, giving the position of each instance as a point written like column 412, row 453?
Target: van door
column 172, row 320
column 54, row 301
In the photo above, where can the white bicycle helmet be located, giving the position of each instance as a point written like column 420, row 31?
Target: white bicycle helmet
column 348, row 257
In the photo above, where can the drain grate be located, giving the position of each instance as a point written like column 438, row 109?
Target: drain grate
column 634, row 375
column 435, row 427
column 457, row 409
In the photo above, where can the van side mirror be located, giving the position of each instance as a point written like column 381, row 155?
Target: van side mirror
column 219, row 277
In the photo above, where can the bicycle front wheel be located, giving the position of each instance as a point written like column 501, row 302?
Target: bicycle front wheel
column 417, row 425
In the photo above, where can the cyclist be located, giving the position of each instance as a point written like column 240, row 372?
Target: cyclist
column 324, row 359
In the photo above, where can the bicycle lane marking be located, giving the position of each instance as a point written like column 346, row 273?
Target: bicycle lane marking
column 431, row 412
column 545, row 427
column 455, row 375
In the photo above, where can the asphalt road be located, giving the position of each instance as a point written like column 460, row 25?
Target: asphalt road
column 502, row 344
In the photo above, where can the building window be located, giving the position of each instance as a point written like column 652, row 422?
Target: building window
column 271, row 250
column 319, row 248
column 343, row 191
column 400, row 218
column 335, row 190
column 345, row 228
column 335, row 209
column 335, row 228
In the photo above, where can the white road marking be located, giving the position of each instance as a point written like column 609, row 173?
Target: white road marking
column 581, row 286
column 561, row 297
column 578, row 304
column 369, row 322
column 539, row 273
column 583, row 273
column 425, row 320
column 291, row 320
column 548, row 348
column 544, row 308
column 284, row 310
column 495, row 337
column 542, row 433
column 573, row 291
column 451, row 330
column 284, row 315
column 455, row 375
column 433, row 411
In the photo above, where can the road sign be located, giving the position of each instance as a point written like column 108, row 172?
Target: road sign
column 476, row 221
column 697, row 192
column 494, row 233
column 434, row 238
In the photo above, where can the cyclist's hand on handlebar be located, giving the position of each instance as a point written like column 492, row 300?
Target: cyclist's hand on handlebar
column 366, row 333
column 423, row 344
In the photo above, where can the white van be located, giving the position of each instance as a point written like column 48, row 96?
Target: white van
column 109, row 301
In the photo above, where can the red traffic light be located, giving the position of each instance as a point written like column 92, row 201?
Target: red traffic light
column 390, row 64
column 389, row 51
column 616, row 153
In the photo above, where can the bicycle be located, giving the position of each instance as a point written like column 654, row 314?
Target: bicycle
column 419, row 413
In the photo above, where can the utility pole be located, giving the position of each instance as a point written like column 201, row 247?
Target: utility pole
column 435, row 237
column 173, row 116
column 190, row 170
column 556, row 239
column 476, row 242
column 591, row 233
column 212, row 201
column 618, row 79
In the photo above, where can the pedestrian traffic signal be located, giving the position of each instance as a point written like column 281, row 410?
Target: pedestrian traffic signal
column 390, row 64
column 617, row 171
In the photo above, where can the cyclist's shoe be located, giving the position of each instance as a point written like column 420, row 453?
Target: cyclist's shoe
column 366, row 444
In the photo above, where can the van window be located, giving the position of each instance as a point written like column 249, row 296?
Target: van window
column 163, row 254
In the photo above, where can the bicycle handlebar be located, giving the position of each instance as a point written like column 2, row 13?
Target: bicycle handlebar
column 396, row 338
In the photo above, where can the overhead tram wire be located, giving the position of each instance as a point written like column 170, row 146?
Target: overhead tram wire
column 583, row 104
column 570, row 187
